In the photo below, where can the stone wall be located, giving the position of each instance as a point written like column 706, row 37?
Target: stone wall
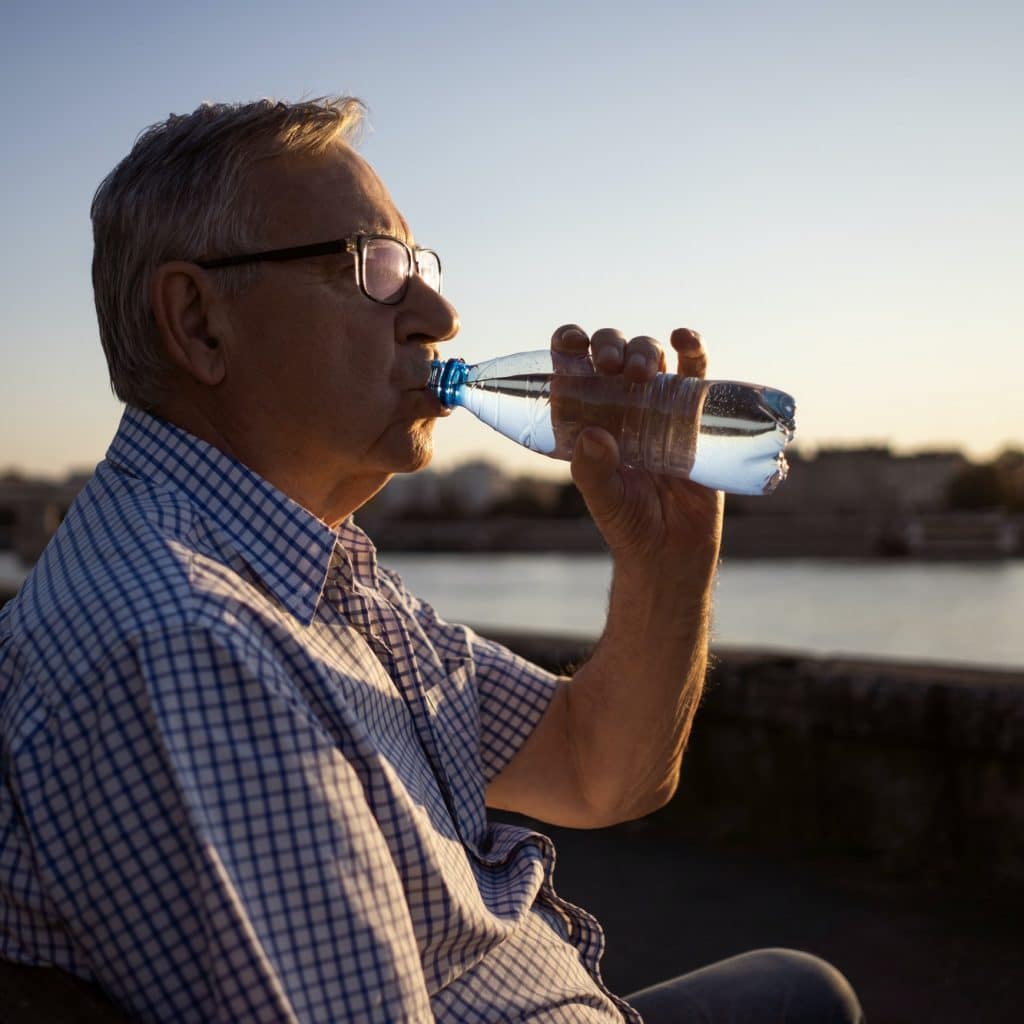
column 916, row 768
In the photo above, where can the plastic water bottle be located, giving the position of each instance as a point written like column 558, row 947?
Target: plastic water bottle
column 723, row 434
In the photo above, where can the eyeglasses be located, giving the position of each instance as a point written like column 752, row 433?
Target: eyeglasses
column 384, row 265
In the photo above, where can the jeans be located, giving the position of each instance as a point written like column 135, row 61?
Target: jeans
column 767, row 985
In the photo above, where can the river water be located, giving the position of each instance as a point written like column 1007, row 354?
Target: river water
column 953, row 613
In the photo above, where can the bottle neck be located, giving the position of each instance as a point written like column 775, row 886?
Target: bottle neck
column 446, row 378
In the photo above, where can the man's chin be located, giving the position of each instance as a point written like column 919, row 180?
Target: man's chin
column 418, row 455
column 422, row 460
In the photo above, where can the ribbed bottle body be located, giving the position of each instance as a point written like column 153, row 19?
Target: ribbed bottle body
column 723, row 434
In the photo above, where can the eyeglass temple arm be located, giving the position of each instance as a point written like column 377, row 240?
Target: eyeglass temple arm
column 278, row 255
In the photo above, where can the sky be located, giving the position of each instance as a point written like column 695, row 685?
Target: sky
column 829, row 192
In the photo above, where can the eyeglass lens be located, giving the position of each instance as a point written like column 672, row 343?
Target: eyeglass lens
column 429, row 266
column 386, row 269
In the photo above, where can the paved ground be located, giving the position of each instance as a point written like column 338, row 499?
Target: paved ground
column 914, row 950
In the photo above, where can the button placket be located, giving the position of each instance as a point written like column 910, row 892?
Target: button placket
column 455, row 723
column 381, row 627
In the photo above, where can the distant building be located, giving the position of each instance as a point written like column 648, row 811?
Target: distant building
column 921, row 481
column 468, row 490
column 473, row 487
column 1010, row 465
column 854, row 481
column 414, row 494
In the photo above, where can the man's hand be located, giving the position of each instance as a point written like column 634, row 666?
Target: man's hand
column 646, row 520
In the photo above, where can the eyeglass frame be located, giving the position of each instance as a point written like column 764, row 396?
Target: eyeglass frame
column 353, row 244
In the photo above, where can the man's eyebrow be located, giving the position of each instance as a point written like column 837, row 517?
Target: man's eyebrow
column 389, row 230
column 373, row 228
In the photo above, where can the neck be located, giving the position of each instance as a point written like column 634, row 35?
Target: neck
column 303, row 476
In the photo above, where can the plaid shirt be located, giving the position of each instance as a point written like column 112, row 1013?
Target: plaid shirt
column 242, row 769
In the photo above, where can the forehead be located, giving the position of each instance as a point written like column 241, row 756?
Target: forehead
column 305, row 198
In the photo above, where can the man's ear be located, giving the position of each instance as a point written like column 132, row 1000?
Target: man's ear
column 191, row 320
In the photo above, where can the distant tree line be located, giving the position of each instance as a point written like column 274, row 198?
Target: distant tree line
column 989, row 485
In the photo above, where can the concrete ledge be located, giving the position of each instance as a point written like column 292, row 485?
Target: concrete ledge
column 918, row 768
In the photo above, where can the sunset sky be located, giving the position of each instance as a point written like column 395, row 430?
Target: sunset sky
column 830, row 192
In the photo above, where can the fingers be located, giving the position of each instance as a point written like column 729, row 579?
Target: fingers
column 638, row 359
column 693, row 357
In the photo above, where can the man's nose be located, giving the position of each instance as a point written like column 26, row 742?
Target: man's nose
column 452, row 323
column 429, row 312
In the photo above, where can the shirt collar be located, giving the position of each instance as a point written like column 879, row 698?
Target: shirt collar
column 287, row 546
column 356, row 555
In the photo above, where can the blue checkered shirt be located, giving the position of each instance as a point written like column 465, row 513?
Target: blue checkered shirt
column 242, row 769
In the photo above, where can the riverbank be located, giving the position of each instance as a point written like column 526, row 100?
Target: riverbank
column 956, row 536
column 949, row 536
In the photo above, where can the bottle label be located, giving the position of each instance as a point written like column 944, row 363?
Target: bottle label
column 656, row 425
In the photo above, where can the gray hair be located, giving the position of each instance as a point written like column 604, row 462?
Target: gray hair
column 179, row 194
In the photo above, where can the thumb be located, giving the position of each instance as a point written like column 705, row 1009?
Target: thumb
column 595, row 472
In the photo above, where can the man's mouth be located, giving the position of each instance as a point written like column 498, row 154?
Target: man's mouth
column 427, row 404
column 421, row 377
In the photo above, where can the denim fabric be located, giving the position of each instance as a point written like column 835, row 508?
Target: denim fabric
column 781, row 986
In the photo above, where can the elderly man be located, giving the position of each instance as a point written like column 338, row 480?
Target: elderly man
column 244, row 771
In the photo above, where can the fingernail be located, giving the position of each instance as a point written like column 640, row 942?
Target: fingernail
column 592, row 448
column 572, row 332
column 637, row 361
column 684, row 334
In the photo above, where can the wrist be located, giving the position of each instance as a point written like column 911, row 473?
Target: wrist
column 689, row 574
column 666, row 614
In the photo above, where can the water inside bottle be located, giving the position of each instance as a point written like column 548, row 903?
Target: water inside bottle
column 723, row 434
column 744, row 430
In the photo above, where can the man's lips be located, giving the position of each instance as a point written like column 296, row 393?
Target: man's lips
column 422, row 378
column 427, row 403
column 417, row 378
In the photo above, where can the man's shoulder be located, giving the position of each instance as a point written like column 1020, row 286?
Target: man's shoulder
column 123, row 540
column 132, row 558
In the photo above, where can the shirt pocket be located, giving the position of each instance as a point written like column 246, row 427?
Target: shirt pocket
column 455, row 721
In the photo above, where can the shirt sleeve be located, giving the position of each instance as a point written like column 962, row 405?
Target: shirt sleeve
column 512, row 693
column 214, row 850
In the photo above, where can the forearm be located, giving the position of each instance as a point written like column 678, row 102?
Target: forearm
column 631, row 707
